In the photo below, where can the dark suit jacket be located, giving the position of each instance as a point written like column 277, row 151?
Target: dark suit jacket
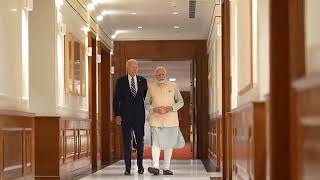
column 130, row 108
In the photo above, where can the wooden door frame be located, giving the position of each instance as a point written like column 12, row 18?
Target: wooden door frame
column 105, row 103
column 92, row 98
column 226, row 91
column 287, row 64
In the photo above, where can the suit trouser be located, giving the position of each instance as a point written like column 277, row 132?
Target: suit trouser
column 127, row 138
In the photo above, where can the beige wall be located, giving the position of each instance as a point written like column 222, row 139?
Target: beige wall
column 215, row 64
column 47, row 95
column 252, row 73
column 42, row 58
column 312, row 36
column 13, row 54
column 68, row 104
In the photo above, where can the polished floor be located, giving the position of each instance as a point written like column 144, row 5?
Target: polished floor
column 183, row 169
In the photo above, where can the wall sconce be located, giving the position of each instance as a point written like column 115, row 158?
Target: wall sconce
column 112, row 69
column 219, row 30
column 89, row 51
column 62, row 29
column 98, row 58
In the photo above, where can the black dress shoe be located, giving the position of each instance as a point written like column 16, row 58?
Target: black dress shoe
column 127, row 173
column 153, row 171
column 141, row 171
column 167, row 172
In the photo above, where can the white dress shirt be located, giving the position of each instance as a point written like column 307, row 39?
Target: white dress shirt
column 135, row 81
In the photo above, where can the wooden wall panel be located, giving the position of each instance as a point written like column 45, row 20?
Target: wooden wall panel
column 248, row 141
column 308, row 103
column 185, row 116
column 16, row 145
column 92, row 99
column 226, row 89
column 215, row 144
column 63, row 148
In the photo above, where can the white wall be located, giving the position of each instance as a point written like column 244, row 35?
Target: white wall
column 67, row 104
column 13, row 89
column 47, row 95
column 42, row 41
column 263, row 48
column 215, row 64
column 312, row 36
column 241, row 68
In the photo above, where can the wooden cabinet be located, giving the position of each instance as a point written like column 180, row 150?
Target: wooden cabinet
column 62, row 148
column 16, row 145
column 248, row 141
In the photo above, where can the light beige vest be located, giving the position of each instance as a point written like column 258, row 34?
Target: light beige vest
column 163, row 95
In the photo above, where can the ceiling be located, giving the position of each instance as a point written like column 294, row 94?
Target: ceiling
column 180, row 70
column 157, row 18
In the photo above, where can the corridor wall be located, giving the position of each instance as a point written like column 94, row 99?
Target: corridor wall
column 214, row 49
column 16, row 122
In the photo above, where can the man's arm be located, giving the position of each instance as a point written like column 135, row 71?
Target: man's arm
column 179, row 100
column 116, row 100
column 146, row 89
column 147, row 103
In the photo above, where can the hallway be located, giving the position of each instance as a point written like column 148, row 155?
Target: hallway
column 240, row 81
column 183, row 170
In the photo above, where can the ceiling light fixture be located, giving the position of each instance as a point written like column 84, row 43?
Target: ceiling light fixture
column 90, row 7
column 99, row 18
column 176, row 27
column 175, row 13
column 133, row 13
column 104, row 12
column 140, row 27
column 114, row 36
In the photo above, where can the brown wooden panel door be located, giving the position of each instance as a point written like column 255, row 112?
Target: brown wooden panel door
column 185, row 117
column 249, row 142
column 215, row 145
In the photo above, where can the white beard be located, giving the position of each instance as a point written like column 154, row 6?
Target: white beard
column 162, row 81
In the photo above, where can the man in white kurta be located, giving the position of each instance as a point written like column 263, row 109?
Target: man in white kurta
column 163, row 100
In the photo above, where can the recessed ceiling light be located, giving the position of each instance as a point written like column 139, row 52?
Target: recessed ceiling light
column 90, row 7
column 85, row 29
column 14, row 10
column 99, row 18
column 133, row 13
column 140, row 27
column 104, row 12
column 114, row 36
column 172, row 79
column 175, row 13
column 176, row 27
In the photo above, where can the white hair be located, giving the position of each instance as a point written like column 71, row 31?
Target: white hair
column 158, row 68
column 131, row 61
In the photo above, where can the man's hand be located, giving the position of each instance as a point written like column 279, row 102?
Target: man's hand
column 162, row 109
column 169, row 109
column 118, row 120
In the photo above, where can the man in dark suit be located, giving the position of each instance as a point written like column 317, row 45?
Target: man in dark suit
column 129, row 111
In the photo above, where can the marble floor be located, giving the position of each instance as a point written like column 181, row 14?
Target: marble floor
column 183, row 169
